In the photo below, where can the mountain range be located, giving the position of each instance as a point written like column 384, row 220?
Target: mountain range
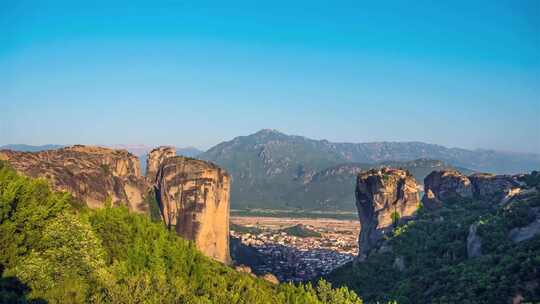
column 29, row 148
column 275, row 170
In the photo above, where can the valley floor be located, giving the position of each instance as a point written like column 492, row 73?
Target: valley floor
column 294, row 258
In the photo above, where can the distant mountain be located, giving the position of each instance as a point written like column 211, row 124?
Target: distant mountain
column 30, row 148
column 333, row 188
column 274, row 170
column 188, row 151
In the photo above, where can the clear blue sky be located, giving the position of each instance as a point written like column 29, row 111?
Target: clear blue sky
column 456, row 73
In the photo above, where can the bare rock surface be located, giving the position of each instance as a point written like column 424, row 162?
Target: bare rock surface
column 448, row 184
column 520, row 234
column 92, row 174
column 399, row 263
column 193, row 196
column 474, row 242
column 271, row 278
column 493, row 187
column 155, row 158
column 383, row 197
column 443, row 185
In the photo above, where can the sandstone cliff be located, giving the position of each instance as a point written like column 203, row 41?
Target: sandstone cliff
column 443, row 185
column 383, row 197
column 91, row 174
column 448, row 184
column 154, row 159
column 500, row 188
column 193, row 197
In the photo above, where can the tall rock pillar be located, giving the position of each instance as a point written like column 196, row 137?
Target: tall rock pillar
column 384, row 197
column 194, row 200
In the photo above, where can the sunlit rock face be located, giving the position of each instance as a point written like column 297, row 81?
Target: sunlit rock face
column 155, row 158
column 193, row 196
column 384, row 197
column 92, row 174
column 491, row 187
column 444, row 185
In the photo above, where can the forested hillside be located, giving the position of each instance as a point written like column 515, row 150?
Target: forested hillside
column 53, row 250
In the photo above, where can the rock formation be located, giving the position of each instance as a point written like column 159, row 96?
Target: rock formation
column 383, row 197
column 474, row 242
column 520, row 234
column 450, row 184
column 193, row 197
column 91, row 174
column 399, row 263
column 443, row 185
column 270, row 278
column 491, row 187
column 154, row 159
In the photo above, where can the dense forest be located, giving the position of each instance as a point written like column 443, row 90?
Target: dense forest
column 427, row 261
column 54, row 250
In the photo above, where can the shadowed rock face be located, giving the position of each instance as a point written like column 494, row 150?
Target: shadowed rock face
column 474, row 242
column 383, row 197
column 520, row 234
column 448, row 184
column 154, row 159
column 494, row 187
column 194, row 200
column 91, row 174
column 443, row 185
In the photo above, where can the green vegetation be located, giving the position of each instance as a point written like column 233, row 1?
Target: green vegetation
column 532, row 180
column 245, row 229
column 395, row 217
column 151, row 200
column 301, row 231
column 437, row 268
column 53, row 252
column 106, row 169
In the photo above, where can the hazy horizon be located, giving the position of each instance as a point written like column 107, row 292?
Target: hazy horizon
column 189, row 73
column 187, row 146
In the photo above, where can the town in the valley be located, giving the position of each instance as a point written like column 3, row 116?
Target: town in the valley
column 296, row 249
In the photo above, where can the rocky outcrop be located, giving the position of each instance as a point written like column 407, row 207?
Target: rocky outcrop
column 399, row 263
column 270, row 278
column 474, row 242
column 491, row 187
column 520, row 234
column 244, row 269
column 383, row 198
column 193, row 197
column 91, row 174
column 450, row 184
column 247, row 270
column 154, row 159
column 443, row 185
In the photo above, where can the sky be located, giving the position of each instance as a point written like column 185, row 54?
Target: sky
column 195, row 73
